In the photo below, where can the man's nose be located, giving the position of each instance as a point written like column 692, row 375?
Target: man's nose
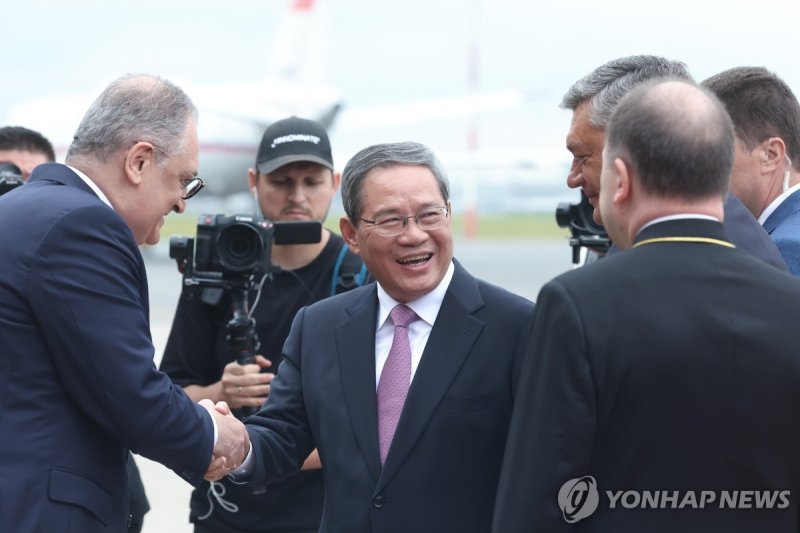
column 574, row 178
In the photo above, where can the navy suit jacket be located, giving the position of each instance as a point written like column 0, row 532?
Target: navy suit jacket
column 78, row 386
column 783, row 225
column 442, row 469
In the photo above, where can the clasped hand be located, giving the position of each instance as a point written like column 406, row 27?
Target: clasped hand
column 232, row 444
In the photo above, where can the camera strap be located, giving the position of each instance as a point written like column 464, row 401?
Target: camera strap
column 349, row 271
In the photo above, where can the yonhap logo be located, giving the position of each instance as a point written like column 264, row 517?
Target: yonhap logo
column 578, row 498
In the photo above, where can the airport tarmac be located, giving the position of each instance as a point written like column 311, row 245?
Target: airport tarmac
column 521, row 266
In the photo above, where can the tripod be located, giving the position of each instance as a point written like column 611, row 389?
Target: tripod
column 242, row 337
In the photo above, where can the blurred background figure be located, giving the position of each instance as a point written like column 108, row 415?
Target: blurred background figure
column 24, row 148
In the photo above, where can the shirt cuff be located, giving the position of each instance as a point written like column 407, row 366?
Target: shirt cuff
column 216, row 431
column 245, row 469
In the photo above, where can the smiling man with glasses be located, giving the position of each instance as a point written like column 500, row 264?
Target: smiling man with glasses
column 405, row 385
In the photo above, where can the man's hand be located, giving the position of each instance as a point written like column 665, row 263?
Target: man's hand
column 246, row 385
column 232, row 441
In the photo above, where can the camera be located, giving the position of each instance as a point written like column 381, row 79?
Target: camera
column 234, row 251
column 10, row 177
column 584, row 231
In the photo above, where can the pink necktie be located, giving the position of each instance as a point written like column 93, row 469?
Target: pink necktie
column 395, row 378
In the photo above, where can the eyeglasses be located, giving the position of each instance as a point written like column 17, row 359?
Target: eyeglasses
column 391, row 225
column 190, row 186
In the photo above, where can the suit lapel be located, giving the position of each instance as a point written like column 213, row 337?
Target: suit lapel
column 451, row 340
column 787, row 207
column 355, row 342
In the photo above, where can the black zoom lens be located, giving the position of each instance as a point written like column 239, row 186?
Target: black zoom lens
column 240, row 248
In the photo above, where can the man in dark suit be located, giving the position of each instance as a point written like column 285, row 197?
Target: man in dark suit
column 425, row 457
column 593, row 98
column 78, row 386
column 26, row 149
column 668, row 373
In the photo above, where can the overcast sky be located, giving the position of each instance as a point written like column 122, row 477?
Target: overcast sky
column 381, row 51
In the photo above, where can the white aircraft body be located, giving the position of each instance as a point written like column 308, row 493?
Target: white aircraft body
column 233, row 116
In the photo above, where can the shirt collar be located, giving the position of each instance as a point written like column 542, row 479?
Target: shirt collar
column 92, row 185
column 427, row 307
column 682, row 216
column 775, row 203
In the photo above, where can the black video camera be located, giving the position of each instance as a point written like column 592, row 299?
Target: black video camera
column 10, row 177
column 234, row 251
column 583, row 229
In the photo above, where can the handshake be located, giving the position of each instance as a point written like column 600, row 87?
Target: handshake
column 232, row 444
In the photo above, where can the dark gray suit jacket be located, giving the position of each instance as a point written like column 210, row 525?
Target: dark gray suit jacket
column 442, row 469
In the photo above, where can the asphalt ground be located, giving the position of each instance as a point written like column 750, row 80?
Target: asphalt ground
column 521, row 266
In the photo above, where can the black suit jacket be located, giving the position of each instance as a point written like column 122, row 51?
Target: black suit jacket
column 78, row 385
column 672, row 366
column 746, row 233
column 442, row 469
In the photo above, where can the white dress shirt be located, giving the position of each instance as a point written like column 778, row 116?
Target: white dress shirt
column 426, row 308
column 92, row 185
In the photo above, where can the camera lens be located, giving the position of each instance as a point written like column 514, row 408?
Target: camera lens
column 240, row 248
column 565, row 213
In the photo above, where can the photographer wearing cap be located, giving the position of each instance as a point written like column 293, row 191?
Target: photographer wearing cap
column 293, row 180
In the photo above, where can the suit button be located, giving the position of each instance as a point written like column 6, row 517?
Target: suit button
column 378, row 502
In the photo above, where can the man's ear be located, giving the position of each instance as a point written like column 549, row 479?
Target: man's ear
column 774, row 153
column 337, row 179
column 138, row 159
column 622, row 181
column 348, row 232
column 252, row 178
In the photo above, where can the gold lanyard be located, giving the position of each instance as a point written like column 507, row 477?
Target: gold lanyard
column 704, row 240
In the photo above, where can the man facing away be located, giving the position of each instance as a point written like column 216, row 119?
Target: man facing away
column 78, row 386
column 293, row 180
column 669, row 369
column 405, row 385
column 592, row 100
column 766, row 116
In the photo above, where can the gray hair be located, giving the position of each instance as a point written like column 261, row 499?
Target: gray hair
column 607, row 84
column 133, row 108
column 677, row 137
column 382, row 156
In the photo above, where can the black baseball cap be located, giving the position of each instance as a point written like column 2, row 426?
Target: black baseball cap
column 291, row 140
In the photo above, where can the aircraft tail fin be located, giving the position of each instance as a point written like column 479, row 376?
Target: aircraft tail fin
column 299, row 49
